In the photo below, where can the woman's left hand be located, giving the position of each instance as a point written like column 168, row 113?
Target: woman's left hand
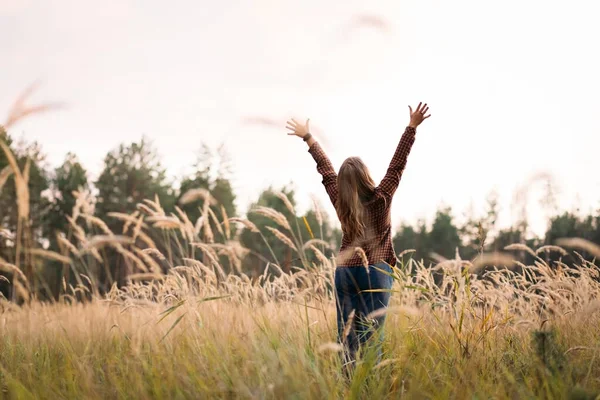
column 298, row 129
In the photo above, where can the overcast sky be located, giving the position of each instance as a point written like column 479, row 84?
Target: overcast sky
column 513, row 87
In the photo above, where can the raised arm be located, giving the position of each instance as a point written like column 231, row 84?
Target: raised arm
column 324, row 166
column 390, row 182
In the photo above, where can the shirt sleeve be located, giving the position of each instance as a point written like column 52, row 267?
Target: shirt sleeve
column 326, row 170
column 390, row 182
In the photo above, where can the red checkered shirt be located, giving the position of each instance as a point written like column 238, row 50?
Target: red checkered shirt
column 378, row 246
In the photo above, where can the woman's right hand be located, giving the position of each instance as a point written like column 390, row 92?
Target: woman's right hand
column 418, row 115
column 298, row 129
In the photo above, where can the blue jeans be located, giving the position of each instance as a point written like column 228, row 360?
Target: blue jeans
column 350, row 284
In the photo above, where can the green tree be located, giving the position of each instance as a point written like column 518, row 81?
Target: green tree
column 219, row 187
column 413, row 238
column 69, row 177
column 443, row 237
column 32, row 231
column 269, row 249
column 476, row 232
column 132, row 173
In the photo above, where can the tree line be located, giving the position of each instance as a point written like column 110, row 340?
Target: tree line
column 133, row 172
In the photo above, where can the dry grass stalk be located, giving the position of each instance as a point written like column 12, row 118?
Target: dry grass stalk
column 550, row 248
column 99, row 223
column 330, row 348
column 193, row 195
column 363, row 256
column 286, row 201
column 12, row 269
column 273, row 215
column 348, row 325
column 129, row 219
column 20, row 182
column 226, row 222
column 214, row 218
column 315, row 242
column 520, row 247
column 20, row 110
column 581, row 244
column 145, row 256
column 50, row 255
column 492, row 259
column 247, row 224
column 283, row 238
column 164, row 222
column 4, row 175
column 99, row 241
column 146, row 276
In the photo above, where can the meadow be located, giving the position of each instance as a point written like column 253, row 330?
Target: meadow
column 189, row 323
column 529, row 331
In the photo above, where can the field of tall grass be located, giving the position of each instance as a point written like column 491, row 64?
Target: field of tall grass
column 187, row 326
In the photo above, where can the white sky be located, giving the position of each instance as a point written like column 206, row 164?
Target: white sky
column 513, row 88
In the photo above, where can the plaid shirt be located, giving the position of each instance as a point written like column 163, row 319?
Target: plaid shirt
column 378, row 246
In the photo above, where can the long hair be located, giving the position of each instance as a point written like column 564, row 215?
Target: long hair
column 355, row 187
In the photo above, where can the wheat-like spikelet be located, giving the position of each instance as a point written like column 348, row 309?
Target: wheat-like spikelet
column 4, row 175
column 549, row 248
column 77, row 230
column 145, row 276
column 348, row 326
column 145, row 256
column 286, row 201
column 208, row 233
column 207, row 250
column 407, row 251
column 226, row 222
column 99, row 223
column 283, row 238
column 99, row 241
column 492, row 259
column 187, row 228
column 158, row 210
column 324, row 260
column 521, row 247
column 145, row 209
column 330, row 348
column 363, row 256
column 21, row 290
column 216, row 221
column 581, row 244
column 130, row 255
column 273, row 215
column 129, row 219
column 247, row 224
column 19, row 110
column 164, row 222
column 155, row 253
column 236, row 246
column 193, row 195
column 50, row 255
column 20, row 181
column 11, row 268
column 315, row 242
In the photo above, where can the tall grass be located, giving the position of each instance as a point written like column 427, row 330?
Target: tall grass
column 186, row 326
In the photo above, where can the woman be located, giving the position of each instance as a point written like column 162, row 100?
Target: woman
column 366, row 256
